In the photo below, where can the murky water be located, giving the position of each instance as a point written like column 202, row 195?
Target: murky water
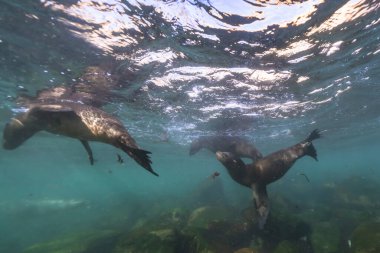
column 171, row 71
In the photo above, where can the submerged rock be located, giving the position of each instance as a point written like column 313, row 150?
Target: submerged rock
column 164, row 240
column 357, row 192
column 203, row 216
column 366, row 238
column 282, row 225
column 218, row 237
column 178, row 215
column 94, row 242
column 287, row 247
column 206, row 230
column 245, row 250
column 285, row 226
column 325, row 237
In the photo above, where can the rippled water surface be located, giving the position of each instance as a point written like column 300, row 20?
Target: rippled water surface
column 171, row 71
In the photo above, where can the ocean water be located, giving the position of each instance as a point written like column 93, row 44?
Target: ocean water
column 171, row 71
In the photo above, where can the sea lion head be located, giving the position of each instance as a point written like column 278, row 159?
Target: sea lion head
column 229, row 160
column 15, row 133
column 224, row 157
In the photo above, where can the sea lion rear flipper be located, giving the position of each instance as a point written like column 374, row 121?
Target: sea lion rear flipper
column 140, row 156
column 262, row 203
column 89, row 151
column 310, row 149
column 315, row 134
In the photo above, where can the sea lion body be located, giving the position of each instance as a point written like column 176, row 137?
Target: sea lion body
column 91, row 124
column 266, row 170
column 274, row 166
column 82, row 122
column 232, row 144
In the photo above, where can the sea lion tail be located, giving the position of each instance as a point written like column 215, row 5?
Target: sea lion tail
column 141, row 157
column 310, row 149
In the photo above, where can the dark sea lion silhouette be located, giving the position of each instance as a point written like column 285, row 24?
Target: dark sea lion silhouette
column 233, row 144
column 82, row 122
column 266, row 170
column 95, row 87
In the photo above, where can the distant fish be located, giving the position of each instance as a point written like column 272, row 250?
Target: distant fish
column 109, row 171
column 49, row 205
column 119, row 159
column 214, row 175
column 307, row 179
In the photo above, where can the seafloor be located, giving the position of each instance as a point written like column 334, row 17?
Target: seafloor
column 344, row 220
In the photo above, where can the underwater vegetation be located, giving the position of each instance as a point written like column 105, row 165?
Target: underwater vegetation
column 191, row 226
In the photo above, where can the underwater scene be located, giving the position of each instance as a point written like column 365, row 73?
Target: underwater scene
column 190, row 126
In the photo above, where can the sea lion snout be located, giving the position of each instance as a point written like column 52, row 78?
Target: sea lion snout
column 10, row 140
column 219, row 155
column 16, row 133
column 223, row 156
column 6, row 145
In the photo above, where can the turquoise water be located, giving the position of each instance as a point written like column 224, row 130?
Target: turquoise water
column 172, row 71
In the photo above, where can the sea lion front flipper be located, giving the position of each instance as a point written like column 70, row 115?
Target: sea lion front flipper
column 262, row 203
column 89, row 151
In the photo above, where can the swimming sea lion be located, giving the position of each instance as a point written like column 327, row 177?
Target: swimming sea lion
column 82, row 122
column 266, row 170
column 236, row 145
column 95, row 87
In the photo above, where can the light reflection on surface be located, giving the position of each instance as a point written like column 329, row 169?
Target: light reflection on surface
column 112, row 20
column 351, row 11
column 161, row 56
column 108, row 16
column 279, row 59
column 188, row 74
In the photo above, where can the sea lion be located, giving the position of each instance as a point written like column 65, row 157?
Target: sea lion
column 266, row 170
column 95, row 87
column 79, row 121
column 236, row 145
